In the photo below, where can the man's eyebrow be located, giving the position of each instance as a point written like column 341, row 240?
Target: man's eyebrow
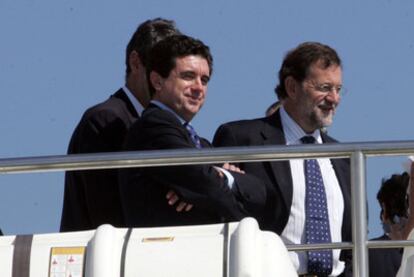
column 187, row 72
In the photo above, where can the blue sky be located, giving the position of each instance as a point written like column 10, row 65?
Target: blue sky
column 59, row 57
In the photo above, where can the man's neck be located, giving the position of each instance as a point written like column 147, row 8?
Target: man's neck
column 295, row 117
column 167, row 108
column 138, row 93
column 134, row 101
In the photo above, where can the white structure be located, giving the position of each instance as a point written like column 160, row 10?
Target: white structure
column 407, row 262
column 233, row 250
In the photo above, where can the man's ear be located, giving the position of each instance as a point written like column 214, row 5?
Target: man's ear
column 156, row 80
column 384, row 214
column 291, row 87
column 134, row 61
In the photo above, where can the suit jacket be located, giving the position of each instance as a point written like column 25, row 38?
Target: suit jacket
column 91, row 197
column 269, row 131
column 143, row 190
column 384, row 262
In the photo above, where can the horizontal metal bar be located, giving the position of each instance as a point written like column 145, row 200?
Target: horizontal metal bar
column 389, row 243
column 205, row 156
column 348, row 245
column 318, row 246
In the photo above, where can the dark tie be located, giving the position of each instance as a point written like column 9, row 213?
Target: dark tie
column 194, row 137
column 317, row 220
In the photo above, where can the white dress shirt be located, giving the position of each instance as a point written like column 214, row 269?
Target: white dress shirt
column 138, row 107
column 294, row 232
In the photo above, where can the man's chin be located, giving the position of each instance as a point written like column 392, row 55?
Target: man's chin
column 194, row 109
column 326, row 123
column 323, row 121
column 191, row 113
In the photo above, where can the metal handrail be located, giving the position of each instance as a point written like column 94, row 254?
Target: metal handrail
column 357, row 152
column 204, row 156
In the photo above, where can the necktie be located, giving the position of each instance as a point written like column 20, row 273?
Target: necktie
column 194, row 137
column 317, row 220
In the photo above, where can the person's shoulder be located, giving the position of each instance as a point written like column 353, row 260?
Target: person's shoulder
column 115, row 105
column 153, row 112
column 245, row 123
column 108, row 116
column 154, row 116
column 383, row 237
column 240, row 132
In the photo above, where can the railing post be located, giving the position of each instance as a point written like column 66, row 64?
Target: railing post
column 359, row 214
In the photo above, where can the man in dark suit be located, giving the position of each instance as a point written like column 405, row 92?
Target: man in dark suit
column 309, row 92
column 179, row 71
column 91, row 197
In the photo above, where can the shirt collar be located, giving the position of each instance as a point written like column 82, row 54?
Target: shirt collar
column 166, row 108
column 293, row 132
column 137, row 106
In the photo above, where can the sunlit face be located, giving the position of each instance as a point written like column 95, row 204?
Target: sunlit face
column 185, row 89
column 317, row 97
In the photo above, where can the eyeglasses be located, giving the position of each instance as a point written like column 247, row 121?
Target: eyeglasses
column 329, row 88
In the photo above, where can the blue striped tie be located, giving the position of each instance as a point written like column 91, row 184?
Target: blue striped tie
column 194, row 137
column 317, row 219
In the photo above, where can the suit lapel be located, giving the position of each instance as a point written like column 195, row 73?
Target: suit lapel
column 273, row 135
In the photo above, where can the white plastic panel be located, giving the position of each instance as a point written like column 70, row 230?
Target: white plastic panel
column 234, row 250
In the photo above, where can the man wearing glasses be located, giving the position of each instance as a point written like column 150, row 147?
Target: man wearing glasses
column 308, row 200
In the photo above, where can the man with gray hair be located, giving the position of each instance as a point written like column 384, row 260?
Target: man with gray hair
column 308, row 200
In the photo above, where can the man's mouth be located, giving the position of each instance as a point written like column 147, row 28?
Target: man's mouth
column 326, row 107
column 194, row 98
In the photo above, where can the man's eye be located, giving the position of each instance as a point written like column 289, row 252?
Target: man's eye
column 205, row 80
column 325, row 88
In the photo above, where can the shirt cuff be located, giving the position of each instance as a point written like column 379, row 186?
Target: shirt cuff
column 230, row 178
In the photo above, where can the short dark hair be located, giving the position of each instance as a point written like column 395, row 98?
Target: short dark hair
column 163, row 55
column 146, row 36
column 298, row 61
column 393, row 195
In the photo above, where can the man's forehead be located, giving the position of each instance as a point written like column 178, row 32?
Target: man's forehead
column 190, row 58
column 320, row 68
column 191, row 61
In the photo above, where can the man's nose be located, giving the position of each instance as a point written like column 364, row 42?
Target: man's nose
column 198, row 85
column 334, row 97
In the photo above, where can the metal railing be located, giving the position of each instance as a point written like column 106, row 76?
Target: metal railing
column 357, row 152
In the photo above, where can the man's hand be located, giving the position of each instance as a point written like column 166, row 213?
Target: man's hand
column 232, row 167
column 173, row 198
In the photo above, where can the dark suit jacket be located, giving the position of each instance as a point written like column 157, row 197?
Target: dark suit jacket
column 143, row 190
column 384, row 262
column 92, row 197
column 269, row 131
